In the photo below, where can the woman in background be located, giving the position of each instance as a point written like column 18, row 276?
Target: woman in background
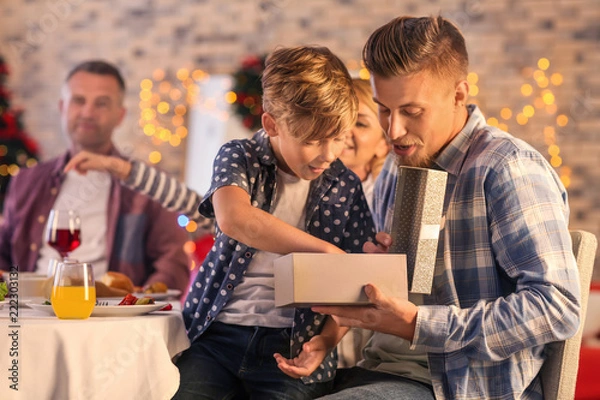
column 367, row 146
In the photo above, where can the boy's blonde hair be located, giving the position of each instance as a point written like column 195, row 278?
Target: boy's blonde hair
column 408, row 45
column 310, row 89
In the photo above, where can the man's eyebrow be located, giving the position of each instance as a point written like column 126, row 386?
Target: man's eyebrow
column 409, row 104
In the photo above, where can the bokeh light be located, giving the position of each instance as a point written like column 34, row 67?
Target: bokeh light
column 543, row 64
column 154, row 157
column 506, row 113
column 526, row 89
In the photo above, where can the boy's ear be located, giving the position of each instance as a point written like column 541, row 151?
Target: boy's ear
column 269, row 124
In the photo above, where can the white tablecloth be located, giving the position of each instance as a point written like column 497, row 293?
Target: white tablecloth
column 97, row 358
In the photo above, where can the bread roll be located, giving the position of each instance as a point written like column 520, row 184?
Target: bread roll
column 102, row 290
column 156, row 287
column 117, row 280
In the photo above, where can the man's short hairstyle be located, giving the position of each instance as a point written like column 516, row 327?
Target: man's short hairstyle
column 408, row 45
column 310, row 89
column 98, row 67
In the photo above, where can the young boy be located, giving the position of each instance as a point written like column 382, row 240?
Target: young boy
column 281, row 191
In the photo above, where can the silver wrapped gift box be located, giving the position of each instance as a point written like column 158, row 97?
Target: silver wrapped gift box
column 416, row 222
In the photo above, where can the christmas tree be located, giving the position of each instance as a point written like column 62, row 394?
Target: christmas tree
column 17, row 149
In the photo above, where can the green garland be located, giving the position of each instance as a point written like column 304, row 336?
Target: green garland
column 248, row 90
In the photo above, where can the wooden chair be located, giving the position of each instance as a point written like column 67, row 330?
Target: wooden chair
column 559, row 372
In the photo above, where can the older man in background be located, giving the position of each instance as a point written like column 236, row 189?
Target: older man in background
column 121, row 230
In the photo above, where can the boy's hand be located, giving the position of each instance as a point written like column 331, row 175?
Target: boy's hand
column 382, row 243
column 312, row 355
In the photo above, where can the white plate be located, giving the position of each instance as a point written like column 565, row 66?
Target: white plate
column 114, row 310
column 160, row 296
column 43, row 308
column 22, row 302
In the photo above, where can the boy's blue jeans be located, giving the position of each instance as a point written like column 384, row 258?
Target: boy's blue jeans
column 236, row 362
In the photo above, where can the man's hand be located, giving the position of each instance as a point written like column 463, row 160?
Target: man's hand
column 312, row 355
column 386, row 314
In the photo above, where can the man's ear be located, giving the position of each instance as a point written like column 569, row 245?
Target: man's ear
column 122, row 112
column 461, row 93
column 269, row 124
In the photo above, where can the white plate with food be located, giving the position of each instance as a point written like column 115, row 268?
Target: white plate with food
column 115, row 310
column 170, row 293
column 111, row 310
column 117, row 281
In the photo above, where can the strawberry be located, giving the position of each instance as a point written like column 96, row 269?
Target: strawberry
column 128, row 300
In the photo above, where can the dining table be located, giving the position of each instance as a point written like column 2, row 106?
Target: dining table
column 108, row 357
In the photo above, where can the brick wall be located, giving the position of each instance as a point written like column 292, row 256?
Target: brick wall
column 42, row 39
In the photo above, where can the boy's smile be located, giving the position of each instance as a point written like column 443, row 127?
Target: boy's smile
column 306, row 160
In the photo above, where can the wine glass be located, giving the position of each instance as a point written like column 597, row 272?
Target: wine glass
column 63, row 231
column 73, row 290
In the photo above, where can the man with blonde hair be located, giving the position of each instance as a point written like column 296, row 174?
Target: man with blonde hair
column 506, row 283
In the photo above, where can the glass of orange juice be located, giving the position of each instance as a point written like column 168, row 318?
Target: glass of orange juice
column 74, row 291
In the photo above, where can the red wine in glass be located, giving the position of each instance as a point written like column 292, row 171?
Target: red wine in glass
column 63, row 231
column 65, row 241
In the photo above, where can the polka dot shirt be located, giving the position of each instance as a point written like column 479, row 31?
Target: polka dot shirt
column 336, row 211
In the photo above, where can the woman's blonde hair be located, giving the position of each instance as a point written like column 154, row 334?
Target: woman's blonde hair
column 365, row 95
column 408, row 45
column 310, row 89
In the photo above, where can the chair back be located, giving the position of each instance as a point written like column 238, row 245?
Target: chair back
column 559, row 372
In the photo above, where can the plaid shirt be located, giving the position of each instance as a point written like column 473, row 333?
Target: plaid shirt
column 506, row 282
column 336, row 211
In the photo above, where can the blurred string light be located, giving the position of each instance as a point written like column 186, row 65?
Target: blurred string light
column 165, row 99
column 363, row 73
column 540, row 101
column 182, row 220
